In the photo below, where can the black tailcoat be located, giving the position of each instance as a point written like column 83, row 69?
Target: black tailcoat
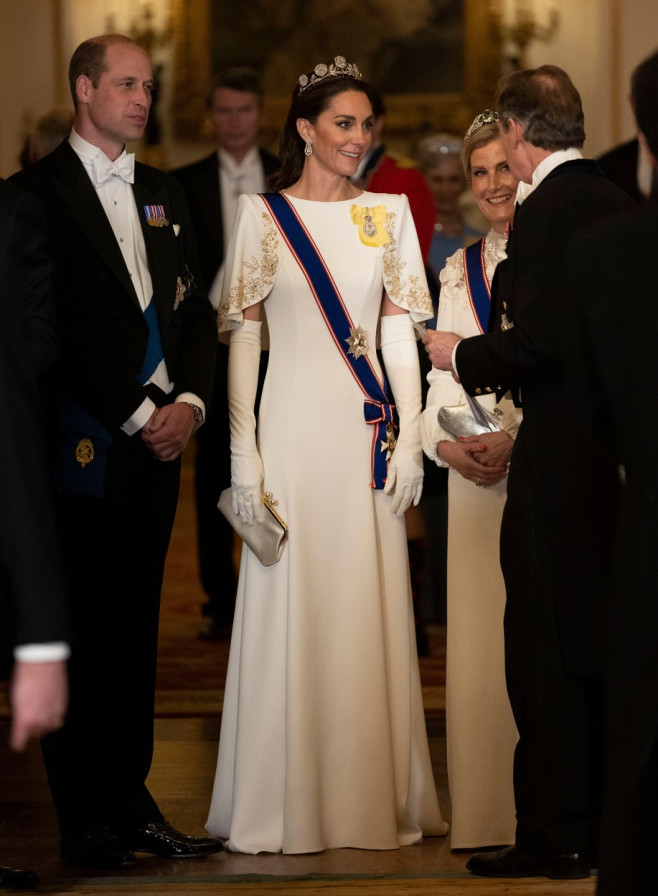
column 552, row 540
column 115, row 545
column 616, row 299
column 32, row 596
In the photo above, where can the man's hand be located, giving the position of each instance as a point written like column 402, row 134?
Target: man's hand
column 39, row 698
column 464, row 459
column 439, row 345
column 168, row 430
column 493, row 449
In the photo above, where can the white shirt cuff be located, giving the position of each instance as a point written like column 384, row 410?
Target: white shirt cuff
column 140, row 418
column 193, row 399
column 42, row 653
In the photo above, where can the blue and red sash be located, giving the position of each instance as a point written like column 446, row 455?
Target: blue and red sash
column 477, row 283
column 378, row 410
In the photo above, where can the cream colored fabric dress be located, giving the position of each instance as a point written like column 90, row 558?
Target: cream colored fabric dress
column 323, row 741
column 481, row 733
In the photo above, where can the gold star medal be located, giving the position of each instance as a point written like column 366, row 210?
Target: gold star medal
column 388, row 445
column 357, row 341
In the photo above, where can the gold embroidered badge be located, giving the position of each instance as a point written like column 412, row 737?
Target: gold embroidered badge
column 84, row 452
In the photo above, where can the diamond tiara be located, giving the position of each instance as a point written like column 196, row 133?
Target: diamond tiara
column 339, row 67
column 486, row 117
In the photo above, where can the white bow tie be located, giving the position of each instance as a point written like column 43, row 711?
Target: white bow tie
column 104, row 169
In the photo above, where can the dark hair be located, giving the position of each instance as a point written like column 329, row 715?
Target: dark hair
column 644, row 93
column 309, row 104
column 376, row 101
column 238, row 77
column 545, row 103
column 89, row 59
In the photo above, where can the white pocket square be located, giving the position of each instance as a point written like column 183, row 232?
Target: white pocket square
column 176, row 229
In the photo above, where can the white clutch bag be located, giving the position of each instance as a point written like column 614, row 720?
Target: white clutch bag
column 267, row 539
column 462, row 420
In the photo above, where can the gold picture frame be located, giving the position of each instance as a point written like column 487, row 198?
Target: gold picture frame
column 409, row 115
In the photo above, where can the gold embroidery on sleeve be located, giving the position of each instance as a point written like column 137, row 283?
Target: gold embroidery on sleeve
column 255, row 280
column 410, row 293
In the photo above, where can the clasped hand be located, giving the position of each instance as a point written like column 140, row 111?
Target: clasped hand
column 168, row 430
column 481, row 459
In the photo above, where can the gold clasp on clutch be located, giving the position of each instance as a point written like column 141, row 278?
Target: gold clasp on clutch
column 271, row 502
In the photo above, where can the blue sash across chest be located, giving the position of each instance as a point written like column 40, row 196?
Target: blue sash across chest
column 378, row 410
column 477, row 283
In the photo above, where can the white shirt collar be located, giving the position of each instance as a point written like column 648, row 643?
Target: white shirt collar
column 88, row 151
column 544, row 169
column 251, row 160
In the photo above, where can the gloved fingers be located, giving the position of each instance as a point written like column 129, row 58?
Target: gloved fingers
column 249, row 504
column 389, row 485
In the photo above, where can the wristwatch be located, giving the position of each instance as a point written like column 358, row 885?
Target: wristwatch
column 198, row 413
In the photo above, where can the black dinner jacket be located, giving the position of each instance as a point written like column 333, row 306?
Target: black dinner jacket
column 32, row 599
column 102, row 329
column 617, row 336
column 202, row 187
column 531, row 294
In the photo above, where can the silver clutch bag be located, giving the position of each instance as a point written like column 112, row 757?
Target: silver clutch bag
column 471, row 419
column 267, row 539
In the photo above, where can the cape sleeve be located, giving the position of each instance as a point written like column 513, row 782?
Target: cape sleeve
column 252, row 263
column 403, row 270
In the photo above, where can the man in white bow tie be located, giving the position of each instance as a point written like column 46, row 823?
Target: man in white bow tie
column 137, row 340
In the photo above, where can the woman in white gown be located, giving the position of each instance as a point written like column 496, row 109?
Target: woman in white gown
column 323, row 740
column 480, row 728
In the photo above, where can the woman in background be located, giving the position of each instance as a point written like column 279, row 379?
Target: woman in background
column 481, row 733
column 439, row 161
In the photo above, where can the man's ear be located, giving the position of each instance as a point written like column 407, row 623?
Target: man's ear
column 515, row 130
column 83, row 88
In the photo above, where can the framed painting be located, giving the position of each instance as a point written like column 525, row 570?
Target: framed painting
column 435, row 61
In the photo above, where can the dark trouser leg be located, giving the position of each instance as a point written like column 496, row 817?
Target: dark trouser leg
column 557, row 762
column 114, row 553
column 212, row 474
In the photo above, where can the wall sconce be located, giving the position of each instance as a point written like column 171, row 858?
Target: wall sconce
column 520, row 29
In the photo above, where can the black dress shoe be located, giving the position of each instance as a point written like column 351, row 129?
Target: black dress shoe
column 159, row 838
column 98, row 848
column 514, row 862
column 17, row 879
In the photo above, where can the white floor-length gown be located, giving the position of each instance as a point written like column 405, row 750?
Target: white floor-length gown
column 480, row 729
column 323, row 741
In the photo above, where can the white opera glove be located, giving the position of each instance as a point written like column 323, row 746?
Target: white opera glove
column 404, row 480
column 246, row 464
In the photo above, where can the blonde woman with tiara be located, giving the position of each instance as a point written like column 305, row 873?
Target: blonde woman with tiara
column 480, row 730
